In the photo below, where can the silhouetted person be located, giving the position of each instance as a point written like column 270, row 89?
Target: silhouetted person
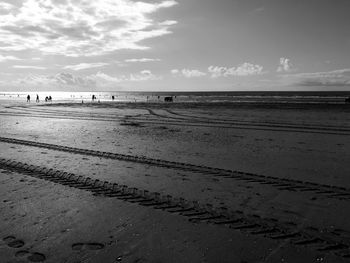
column 93, row 97
column 28, row 98
column 46, row 99
column 50, row 98
column 112, row 97
column 37, row 98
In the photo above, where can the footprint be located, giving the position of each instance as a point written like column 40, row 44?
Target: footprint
column 16, row 243
column 87, row 246
column 11, row 241
column 36, row 257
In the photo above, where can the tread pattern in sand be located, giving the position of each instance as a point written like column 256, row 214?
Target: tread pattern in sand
column 310, row 237
column 283, row 184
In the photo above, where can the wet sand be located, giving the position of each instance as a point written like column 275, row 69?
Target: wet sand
column 289, row 170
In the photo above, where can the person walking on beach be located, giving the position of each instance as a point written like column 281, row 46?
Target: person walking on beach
column 37, row 98
column 28, row 98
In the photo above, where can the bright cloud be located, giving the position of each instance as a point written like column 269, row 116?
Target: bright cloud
column 285, row 65
column 167, row 23
column 143, row 76
column 188, row 73
column 6, row 58
column 28, row 67
column 246, row 69
column 80, row 28
column 132, row 60
column 82, row 66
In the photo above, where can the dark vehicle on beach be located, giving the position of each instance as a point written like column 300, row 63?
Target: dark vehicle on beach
column 168, row 99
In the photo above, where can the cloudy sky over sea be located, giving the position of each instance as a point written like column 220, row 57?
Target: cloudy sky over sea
column 177, row 45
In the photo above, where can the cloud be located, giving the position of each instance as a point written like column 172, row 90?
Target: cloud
column 82, row 66
column 188, row 73
column 52, row 81
column 5, row 6
column 246, row 69
column 167, row 23
column 333, row 78
column 81, row 28
column 28, row 67
column 133, row 60
column 7, row 58
column 66, row 80
column 192, row 73
column 285, row 65
column 143, row 76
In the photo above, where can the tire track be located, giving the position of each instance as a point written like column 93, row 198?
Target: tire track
column 259, row 124
column 164, row 120
column 189, row 117
column 281, row 184
column 311, row 238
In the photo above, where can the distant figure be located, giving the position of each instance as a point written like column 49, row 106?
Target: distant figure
column 28, row 98
column 50, row 98
column 82, row 102
column 158, row 97
column 93, row 97
column 37, row 98
column 168, row 99
column 347, row 100
column 46, row 98
column 112, row 97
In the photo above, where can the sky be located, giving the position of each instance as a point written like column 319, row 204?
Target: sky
column 175, row 45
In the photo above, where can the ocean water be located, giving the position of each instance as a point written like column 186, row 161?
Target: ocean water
column 193, row 97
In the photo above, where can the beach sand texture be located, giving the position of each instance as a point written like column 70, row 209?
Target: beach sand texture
column 193, row 182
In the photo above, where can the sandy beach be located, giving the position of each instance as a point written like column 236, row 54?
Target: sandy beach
column 176, row 182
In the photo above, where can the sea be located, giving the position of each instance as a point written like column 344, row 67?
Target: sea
column 336, row 97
